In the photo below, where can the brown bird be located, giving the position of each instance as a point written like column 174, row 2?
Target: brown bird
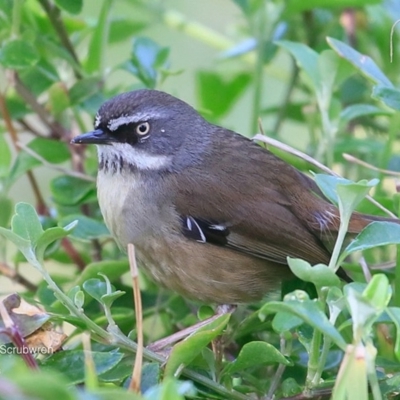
column 213, row 216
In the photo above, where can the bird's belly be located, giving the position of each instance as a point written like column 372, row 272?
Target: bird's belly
column 208, row 273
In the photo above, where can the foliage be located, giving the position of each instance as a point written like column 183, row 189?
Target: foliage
column 329, row 61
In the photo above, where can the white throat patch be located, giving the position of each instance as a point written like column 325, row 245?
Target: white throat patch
column 132, row 156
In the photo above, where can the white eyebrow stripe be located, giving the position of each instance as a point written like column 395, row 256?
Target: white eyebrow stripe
column 114, row 124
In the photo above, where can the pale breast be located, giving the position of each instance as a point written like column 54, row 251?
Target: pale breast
column 114, row 190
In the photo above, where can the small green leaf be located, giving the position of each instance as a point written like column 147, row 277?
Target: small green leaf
column 5, row 157
column 58, row 100
column 309, row 312
column 389, row 95
column 18, row 54
column 72, row 363
column 255, row 354
column 394, row 314
column 51, row 150
column 146, row 60
column 171, row 389
column 84, row 89
column 298, row 6
column 112, row 269
column 79, row 299
column 70, row 191
column 285, row 322
column 377, row 233
column 362, row 62
column 218, row 93
column 108, row 299
column 362, row 311
column 306, row 58
column 320, row 275
column 51, row 235
column 86, row 228
column 98, row 42
column 360, row 110
column 6, row 207
column 96, row 288
column 122, row 29
column 71, row 6
column 186, row 351
column 25, row 223
column 378, row 291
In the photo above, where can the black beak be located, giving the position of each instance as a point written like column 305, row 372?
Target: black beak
column 97, row 136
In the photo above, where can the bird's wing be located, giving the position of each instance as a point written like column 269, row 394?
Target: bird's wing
column 241, row 204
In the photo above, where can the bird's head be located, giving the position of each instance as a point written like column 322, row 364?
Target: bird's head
column 147, row 130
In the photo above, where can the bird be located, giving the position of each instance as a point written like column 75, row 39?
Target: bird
column 213, row 215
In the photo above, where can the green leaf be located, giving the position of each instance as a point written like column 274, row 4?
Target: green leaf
column 328, row 185
column 362, row 62
column 72, row 363
column 378, row 291
column 255, row 354
column 52, row 151
column 96, row 288
column 22, row 244
column 5, row 157
column 309, row 312
column 320, row 275
column 71, row 6
column 6, row 206
column 146, row 59
column 360, row 110
column 108, row 299
column 341, row 191
column 79, row 299
column 18, row 54
column 86, row 228
column 98, row 43
column 83, row 90
column 122, row 29
column 171, row 389
column 218, row 93
column 298, row 6
column 112, row 269
column 394, row 314
column 285, row 322
column 71, row 191
column 389, row 95
column 362, row 311
column 58, row 100
column 377, row 233
column 306, row 58
column 51, row 235
column 25, row 223
column 186, row 351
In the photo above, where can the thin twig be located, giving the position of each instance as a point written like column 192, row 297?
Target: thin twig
column 355, row 160
column 54, row 166
column 137, row 368
column 53, row 13
column 41, row 112
column 297, row 153
column 13, row 275
column 365, row 269
column 41, row 205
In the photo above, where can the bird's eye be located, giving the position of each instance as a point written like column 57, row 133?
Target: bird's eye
column 143, row 128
